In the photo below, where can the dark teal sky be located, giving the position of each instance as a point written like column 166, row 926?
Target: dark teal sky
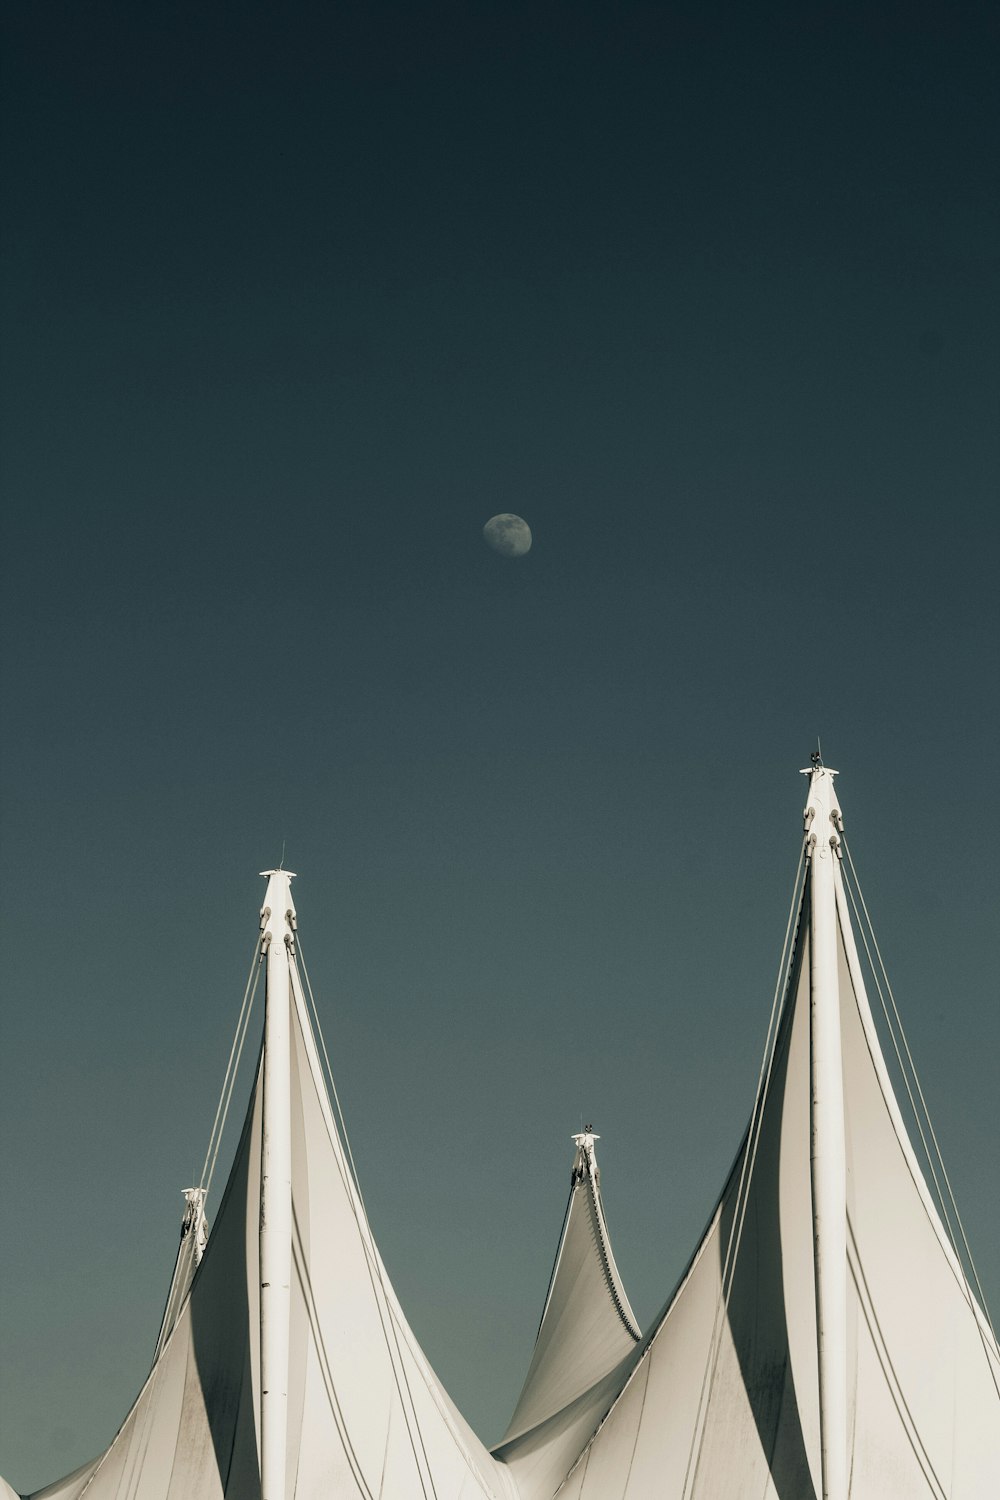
column 292, row 305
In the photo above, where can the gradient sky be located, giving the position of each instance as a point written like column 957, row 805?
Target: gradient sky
column 293, row 303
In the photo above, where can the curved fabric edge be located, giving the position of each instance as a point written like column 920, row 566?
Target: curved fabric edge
column 586, row 1341
column 75, row 1484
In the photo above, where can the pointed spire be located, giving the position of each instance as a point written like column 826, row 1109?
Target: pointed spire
column 585, row 1161
column 828, row 1148
column 277, row 925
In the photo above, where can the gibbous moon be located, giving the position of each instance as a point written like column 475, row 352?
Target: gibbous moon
column 508, row 535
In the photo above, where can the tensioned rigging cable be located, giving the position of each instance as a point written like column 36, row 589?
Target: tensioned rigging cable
column 178, row 1283
column 748, row 1153
column 892, row 1381
column 919, row 1117
column 866, row 927
column 323, row 1361
column 391, row 1331
column 131, row 1473
column 232, row 1068
column 746, row 1175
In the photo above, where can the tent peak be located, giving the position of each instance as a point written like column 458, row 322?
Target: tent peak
column 585, row 1161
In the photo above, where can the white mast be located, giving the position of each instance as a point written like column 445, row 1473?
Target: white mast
column 277, row 944
column 827, row 1139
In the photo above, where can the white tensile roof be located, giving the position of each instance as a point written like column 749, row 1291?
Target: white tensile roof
column 823, row 1344
column 585, row 1342
column 365, row 1413
column 724, row 1400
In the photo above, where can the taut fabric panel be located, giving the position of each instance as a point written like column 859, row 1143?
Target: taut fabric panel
column 719, row 1401
column 368, row 1416
column 583, row 1333
column 923, row 1369
column 191, row 1434
column 584, row 1350
column 927, row 1407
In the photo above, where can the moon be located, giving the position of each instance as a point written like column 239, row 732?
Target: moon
column 508, row 535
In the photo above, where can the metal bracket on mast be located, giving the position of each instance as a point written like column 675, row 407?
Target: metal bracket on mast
column 829, row 806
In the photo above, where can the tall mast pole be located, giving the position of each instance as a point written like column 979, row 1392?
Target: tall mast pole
column 828, row 1155
column 277, row 942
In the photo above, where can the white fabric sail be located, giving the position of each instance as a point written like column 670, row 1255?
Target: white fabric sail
column 192, row 1428
column 725, row 1397
column 587, row 1329
column 366, row 1415
column 824, row 1342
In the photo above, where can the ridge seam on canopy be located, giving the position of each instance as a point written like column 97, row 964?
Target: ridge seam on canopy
column 599, row 1244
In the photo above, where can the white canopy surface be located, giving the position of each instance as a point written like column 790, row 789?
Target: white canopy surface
column 587, row 1330
column 823, row 1344
column 725, row 1399
column 366, row 1416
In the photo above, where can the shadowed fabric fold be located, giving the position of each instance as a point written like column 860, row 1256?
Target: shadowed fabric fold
column 723, row 1398
column 587, row 1330
column 729, row 1394
column 367, row 1416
